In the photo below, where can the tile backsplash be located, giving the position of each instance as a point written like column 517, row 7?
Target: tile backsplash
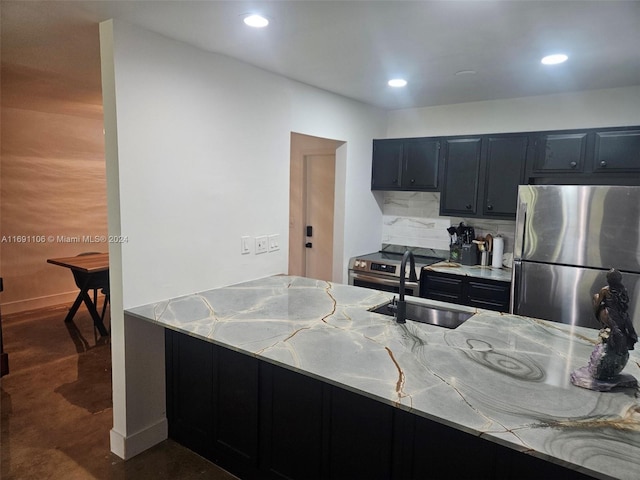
column 412, row 219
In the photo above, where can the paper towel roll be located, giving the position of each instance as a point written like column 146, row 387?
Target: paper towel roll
column 498, row 250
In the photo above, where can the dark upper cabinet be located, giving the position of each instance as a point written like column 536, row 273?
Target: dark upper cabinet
column 560, row 152
column 504, row 166
column 405, row 164
column 617, row 151
column 460, row 176
column 481, row 175
column 386, row 165
column 421, row 164
column 590, row 157
column 478, row 176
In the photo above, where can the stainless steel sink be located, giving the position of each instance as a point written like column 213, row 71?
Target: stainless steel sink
column 425, row 314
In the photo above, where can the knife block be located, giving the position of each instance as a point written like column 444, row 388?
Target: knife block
column 469, row 254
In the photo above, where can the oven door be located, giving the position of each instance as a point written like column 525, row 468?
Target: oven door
column 379, row 282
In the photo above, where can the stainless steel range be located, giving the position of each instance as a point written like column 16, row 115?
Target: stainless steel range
column 381, row 270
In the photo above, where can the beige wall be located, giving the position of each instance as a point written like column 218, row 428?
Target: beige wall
column 52, row 170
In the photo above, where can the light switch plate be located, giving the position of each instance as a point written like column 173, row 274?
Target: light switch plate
column 245, row 245
column 274, row 242
column 261, row 244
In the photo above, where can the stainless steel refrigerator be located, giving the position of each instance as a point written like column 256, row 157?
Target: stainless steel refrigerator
column 567, row 238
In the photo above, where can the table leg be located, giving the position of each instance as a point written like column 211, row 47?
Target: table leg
column 75, row 306
column 97, row 321
column 84, row 296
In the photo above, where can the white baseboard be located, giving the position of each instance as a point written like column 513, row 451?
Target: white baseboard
column 27, row 304
column 128, row 447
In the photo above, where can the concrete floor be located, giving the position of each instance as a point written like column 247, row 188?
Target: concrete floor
column 56, row 409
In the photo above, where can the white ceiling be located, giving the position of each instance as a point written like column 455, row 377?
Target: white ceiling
column 353, row 47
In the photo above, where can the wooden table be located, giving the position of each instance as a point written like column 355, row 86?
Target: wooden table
column 90, row 271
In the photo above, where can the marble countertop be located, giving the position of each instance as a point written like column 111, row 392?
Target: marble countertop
column 500, row 376
column 502, row 274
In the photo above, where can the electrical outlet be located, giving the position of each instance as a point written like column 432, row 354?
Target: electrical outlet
column 262, row 245
column 274, row 243
column 245, row 247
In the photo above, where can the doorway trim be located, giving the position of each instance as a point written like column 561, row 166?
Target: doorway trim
column 302, row 145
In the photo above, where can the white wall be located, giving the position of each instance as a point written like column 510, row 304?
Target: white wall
column 203, row 142
column 595, row 108
column 199, row 145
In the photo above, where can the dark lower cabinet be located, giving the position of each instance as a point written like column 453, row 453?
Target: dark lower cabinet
column 442, row 452
column 235, row 414
column 463, row 290
column 190, row 392
column 360, row 437
column 261, row 421
column 212, row 402
column 292, row 412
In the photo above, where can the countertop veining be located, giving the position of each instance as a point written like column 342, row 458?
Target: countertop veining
column 501, row 274
column 499, row 376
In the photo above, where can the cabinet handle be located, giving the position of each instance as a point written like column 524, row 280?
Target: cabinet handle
column 413, row 180
column 395, row 180
column 573, row 164
column 468, row 206
column 489, row 207
column 603, row 164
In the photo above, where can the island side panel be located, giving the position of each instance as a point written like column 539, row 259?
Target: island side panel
column 297, row 427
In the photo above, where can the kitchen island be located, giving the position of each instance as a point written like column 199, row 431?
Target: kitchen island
column 493, row 394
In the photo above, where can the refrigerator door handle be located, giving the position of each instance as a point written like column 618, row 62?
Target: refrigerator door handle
column 521, row 221
column 516, row 275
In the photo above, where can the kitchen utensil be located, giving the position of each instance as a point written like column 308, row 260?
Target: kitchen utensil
column 452, row 235
column 489, row 242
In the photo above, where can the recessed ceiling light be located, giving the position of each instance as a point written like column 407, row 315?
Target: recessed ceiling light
column 397, row 82
column 257, row 21
column 554, row 59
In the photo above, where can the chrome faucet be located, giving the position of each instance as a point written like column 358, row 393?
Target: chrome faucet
column 401, row 305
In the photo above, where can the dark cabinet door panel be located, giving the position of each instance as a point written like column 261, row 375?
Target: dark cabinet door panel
column 561, row 152
column 293, row 430
column 505, row 164
column 434, row 282
column 617, row 151
column 442, row 452
column 361, row 433
column 190, row 402
column 236, row 415
column 386, row 168
column 488, row 289
column 461, row 168
column 421, row 164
